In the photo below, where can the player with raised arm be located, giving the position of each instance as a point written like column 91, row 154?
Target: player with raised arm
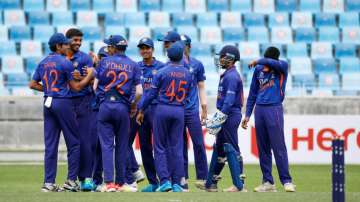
column 267, row 92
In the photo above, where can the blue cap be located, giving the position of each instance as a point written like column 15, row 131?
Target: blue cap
column 176, row 51
column 171, row 36
column 116, row 40
column 146, row 41
column 103, row 51
column 58, row 38
column 186, row 39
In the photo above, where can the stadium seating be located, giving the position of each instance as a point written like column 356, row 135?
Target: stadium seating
column 33, row 5
column 345, row 50
column 319, row 38
column 217, row 5
column 77, row 5
column 103, row 6
column 30, row 49
column 329, row 34
column 7, row 48
column 286, row 5
column 351, row 81
column 258, row 34
column 310, row 5
column 159, row 19
column 14, row 17
column 62, row 18
column 126, row 6
column 134, row 19
column 192, row 6
column 349, row 65
column 206, row 19
column 321, row 50
column 173, row 6
column 297, row 50
column 149, row 5
column 230, row 19
column 278, row 20
column 243, row 6
column 12, row 64
column 38, row 18
column 281, row 35
column 56, row 5
column 349, row 19
column 234, row 34
column 19, row 33
column 10, row 4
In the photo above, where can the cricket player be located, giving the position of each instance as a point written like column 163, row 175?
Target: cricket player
column 117, row 76
column 267, row 92
column 84, row 115
column 170, row 86
column 192, row 117
column 149, row 67
column 55, row 74
column 226, row 122
column 97, row 169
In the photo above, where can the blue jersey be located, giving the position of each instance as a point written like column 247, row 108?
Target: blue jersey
column 230, row 92
column 268, row 84
column 170, row 86
column 80, row 60
column 54, row 72
column 147, row 74
column 197, row 71
column 118, row 75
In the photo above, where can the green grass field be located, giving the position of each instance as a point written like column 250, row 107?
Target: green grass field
column 23, row 183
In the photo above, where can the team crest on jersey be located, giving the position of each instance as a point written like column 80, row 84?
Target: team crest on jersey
column 191, row 69
column 261, row 75
column 76, row 64
column 154, row 71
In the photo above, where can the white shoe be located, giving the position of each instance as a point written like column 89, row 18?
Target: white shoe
column 200, row 184
column 126, row 188
column 265, row 187
column 235, row 189
column 138, row 176
column 289, row 187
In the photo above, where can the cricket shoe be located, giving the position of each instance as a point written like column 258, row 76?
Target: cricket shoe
column 165, row 187
column 50, row 187
column 235, row 189
column 108, row 187
column 150, row 188
column 138, row 176
column 87, row 185
column 289, row 187
column 177, row 188
column 71, row 185
column 185, row 187
column 212, row 188
column 126, row 188
column 200, row 184
column 265, row 187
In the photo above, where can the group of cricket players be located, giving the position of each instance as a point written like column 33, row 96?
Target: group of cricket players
column 100, row 102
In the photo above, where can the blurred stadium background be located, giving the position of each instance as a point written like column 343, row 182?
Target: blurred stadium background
column 319, row 38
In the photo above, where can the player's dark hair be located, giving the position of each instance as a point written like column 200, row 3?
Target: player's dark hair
column 53, row 48
column 121, row 48
column 272, row 52
column 73, row 32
